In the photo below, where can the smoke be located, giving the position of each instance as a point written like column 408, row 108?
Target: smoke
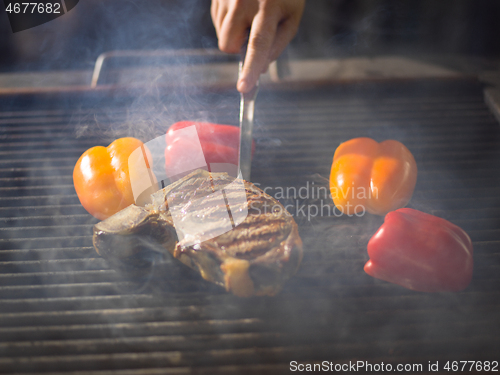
column 331, row 308
column 75, row 40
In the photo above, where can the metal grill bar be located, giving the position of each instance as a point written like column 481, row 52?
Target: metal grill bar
column 63, row 309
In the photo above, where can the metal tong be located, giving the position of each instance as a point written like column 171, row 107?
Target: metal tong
column 247, row 106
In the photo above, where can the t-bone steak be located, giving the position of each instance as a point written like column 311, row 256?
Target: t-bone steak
column 230, row 231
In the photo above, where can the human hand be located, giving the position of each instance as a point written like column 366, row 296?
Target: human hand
column 272, row 24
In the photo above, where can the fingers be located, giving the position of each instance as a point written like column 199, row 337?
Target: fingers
column 272, row 23
column 233, row 31
column 213, row 12
column 262, row 35
column 218, row 11
column 285, row 33
column 288, row 28
column 232, row 19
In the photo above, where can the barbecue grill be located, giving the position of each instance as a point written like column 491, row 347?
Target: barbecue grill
column 63, row 309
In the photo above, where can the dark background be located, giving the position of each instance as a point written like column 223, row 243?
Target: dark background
column 329, row 28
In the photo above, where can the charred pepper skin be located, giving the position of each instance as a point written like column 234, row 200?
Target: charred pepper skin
column 101, row 178
column 371, row 176
column 421, row 252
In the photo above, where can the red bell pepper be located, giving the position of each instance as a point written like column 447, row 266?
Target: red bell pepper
column 220, row 144
column 421, row 252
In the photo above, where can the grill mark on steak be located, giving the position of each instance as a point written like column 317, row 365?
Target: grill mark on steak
column 256, row 257
column 254, row 237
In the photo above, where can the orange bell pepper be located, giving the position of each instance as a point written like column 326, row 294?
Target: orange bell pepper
column 101, row 178
column 371, row 176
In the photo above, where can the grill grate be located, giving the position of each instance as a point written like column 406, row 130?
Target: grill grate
column 62, row 309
